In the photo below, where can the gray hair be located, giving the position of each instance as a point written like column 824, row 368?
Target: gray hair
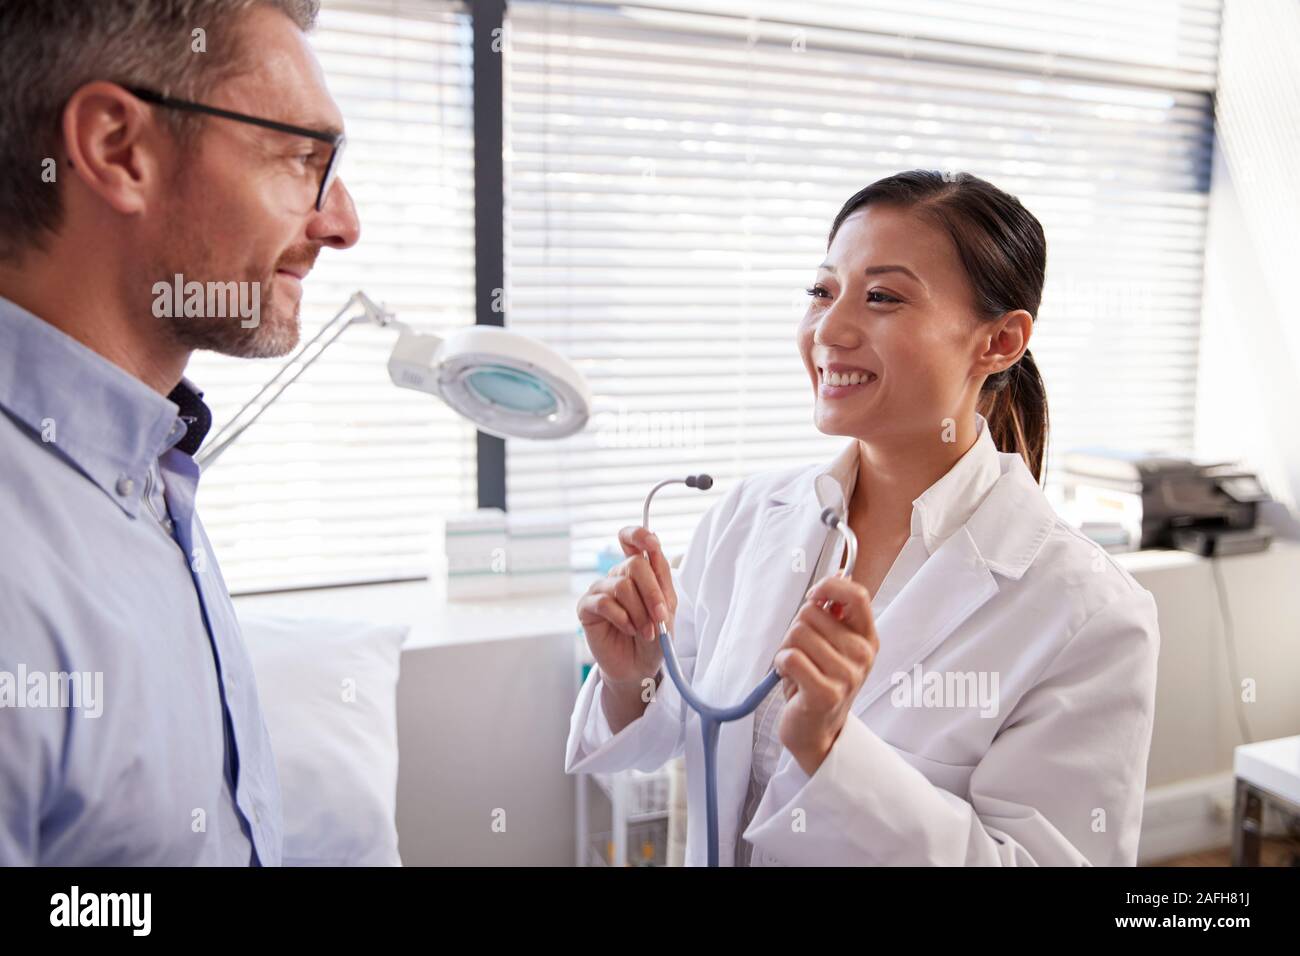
column 51, row 48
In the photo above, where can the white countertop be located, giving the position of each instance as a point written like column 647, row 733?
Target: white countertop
column 434, row 621
column 1272, row 765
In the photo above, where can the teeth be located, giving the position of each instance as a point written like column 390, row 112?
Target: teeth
column 846, row 378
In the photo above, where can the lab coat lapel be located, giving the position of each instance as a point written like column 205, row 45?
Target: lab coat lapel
column 788, row 548
column 786, row 553
column 952, row 585
column 1000, row 540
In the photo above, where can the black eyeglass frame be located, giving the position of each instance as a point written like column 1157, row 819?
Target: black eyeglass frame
column 336, row 140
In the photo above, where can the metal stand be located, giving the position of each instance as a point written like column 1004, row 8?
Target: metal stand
column 289, row 372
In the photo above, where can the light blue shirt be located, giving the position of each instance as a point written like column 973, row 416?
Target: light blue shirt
column 111, row 601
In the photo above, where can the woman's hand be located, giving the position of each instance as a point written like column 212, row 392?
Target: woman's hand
column 620, row 612
column 824, row 661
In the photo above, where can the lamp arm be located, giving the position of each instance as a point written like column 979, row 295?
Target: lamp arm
column 289, row 372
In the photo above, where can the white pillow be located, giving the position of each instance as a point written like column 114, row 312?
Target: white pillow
column 328, row 690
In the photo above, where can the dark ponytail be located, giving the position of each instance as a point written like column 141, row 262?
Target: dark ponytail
column 1014, row 401
column 1004, row 253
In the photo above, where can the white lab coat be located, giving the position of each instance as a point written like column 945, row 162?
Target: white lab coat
column 1054, row 777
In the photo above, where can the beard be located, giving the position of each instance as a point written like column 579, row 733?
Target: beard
column 275, row 333
column 270, row 331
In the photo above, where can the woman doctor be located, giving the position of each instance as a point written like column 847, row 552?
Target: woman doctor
column 981, row 691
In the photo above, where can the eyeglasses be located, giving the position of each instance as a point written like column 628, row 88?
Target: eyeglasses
column 335, row 140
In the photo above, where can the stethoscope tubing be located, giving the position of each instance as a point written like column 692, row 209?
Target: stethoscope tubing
column 712, row 718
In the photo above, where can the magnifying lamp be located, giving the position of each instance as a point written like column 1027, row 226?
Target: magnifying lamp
column 507, row 384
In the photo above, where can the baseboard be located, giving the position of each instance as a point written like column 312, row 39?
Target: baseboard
column 1186, row 817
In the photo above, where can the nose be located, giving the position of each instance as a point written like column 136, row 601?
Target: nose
column 837, row 328
column 337, row 225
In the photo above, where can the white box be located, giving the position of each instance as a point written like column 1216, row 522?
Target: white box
column 475, row 555
column 540, row 558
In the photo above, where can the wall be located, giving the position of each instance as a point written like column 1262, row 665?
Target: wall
column 1249, row 383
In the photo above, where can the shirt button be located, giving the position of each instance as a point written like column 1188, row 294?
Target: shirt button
column 126, row 486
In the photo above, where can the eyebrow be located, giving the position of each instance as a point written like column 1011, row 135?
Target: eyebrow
column 317, row 124
column 328, row 129
column 877, row 270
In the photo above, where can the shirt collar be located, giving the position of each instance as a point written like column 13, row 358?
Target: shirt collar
column 947, row 504
column 101, row 419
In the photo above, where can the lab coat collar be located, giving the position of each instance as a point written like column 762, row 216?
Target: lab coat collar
column 973, row 493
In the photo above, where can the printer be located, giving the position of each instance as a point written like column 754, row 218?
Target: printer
column 1161, row 502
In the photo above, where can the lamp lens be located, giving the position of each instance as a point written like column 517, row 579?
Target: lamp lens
column 512, row 390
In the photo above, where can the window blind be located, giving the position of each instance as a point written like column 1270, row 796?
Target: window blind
column 340, row 480
column 673, row 170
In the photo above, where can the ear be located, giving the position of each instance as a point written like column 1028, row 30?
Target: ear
column 1003, row 341
column 112, row 142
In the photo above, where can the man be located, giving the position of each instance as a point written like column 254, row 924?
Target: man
column 130, row 730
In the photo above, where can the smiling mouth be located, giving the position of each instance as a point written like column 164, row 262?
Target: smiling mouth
column 844, row 379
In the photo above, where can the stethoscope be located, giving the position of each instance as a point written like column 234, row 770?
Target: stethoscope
column 712, row 718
